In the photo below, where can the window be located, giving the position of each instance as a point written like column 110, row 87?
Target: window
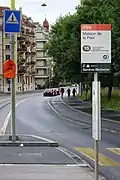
column 7, row 46
column 45, row 72
column 26, row 80
column 18, row 79
column 7, row 35
column 37, row 71
column 31, row 79
column 45, row 63
column 7, row 56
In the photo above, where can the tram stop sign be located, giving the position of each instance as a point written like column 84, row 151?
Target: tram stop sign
column 96, row 48
column 9, row 69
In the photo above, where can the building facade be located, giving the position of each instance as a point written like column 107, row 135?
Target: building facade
column 26, row 55
column 26, row 60
column 43, row 62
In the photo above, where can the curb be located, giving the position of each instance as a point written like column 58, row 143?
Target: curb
column 105, row 119
column 113, row 131
column 28, row 144
column 5, row 140
column 65, row 118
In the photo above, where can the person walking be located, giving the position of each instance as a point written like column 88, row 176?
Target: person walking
column 74, row 91
column 68, row 91
column 62, row 92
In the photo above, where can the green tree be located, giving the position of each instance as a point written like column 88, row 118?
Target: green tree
column 65, row 44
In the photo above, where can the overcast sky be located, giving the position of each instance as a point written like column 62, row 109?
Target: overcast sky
column 53, row 10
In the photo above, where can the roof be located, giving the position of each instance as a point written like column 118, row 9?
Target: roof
column 2, row 8
column 27, row 21
column 45, row 23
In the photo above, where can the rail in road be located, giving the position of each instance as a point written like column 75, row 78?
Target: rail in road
column 4, row 101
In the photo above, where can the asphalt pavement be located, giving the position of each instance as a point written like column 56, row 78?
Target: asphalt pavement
column 50, row 118
column 85, row 106
column 110, row 118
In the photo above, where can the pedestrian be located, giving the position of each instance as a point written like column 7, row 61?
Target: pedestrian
column 68, row 91
column 74, row 91
column 62, row 92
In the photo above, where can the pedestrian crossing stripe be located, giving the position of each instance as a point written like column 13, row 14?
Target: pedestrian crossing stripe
column 12, row 19
column 103, row 160
column 114, row 150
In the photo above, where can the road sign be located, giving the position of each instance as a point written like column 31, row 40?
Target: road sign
column 96, row 48
column 12, row 21
column 9, row 69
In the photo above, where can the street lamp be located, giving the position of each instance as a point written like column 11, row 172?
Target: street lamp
column 44, row 5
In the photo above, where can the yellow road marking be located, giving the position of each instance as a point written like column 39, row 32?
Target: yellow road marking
column 114, row 150
column 103, row 160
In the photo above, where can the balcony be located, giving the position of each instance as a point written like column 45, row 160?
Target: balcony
column 21, row 70
column 21, row 39
column 40, row 49
column 28, row 53
column 28, row 42
column 33, row 72
column 41, row 67
column 33, row 44
column 21, row 50
column 33, row 53
column 41, row 40
column 21, row 60
column 33, row 62
column 41, row 76
column 30, row 33
column 28, row 63
column 23, row 46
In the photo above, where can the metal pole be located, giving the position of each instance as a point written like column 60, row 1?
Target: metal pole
column 49, row 73
column 96, row 144
column 13, row 89
column 2, row 53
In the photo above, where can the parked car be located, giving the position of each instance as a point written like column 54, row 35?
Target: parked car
column 51, row 92
column 48, row 92
column 58, row 92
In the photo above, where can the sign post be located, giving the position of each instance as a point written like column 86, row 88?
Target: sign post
column 12, row 25
column 96, row 58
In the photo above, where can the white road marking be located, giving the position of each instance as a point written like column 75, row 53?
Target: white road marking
column 41, row 138
column 4, row 127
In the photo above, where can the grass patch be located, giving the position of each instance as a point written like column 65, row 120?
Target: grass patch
column 114, row 103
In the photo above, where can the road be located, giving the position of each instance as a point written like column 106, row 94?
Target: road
column 34, row 116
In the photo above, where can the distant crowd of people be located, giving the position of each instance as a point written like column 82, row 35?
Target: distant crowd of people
column 68, row 92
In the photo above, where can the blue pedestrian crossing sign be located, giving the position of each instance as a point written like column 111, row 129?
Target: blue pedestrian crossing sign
column 12, row 21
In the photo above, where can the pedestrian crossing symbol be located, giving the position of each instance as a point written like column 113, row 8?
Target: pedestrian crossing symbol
column 12, row 19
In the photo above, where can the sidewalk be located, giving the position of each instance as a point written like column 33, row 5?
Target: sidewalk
column 46, row 172
column 43, row 160
column 85, row 107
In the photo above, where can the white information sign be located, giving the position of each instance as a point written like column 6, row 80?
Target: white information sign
column 96, row 47
column 96, row 111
